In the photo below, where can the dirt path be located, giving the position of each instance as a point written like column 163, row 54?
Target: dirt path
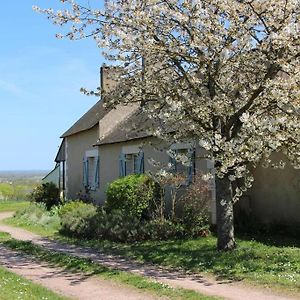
column 228, row 290
column 75, row 286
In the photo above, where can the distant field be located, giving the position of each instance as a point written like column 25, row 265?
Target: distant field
column 16, row 185
column 23, row 174
column 16, row 191
column 12, row 205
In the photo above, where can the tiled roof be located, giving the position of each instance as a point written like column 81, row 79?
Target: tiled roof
column 88, row 120
column 135, row 127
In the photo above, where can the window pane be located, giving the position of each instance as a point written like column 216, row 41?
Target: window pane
column 91, row 171
column 132, row 164
column 181, row 169
column 136, row 164
column 129, row 167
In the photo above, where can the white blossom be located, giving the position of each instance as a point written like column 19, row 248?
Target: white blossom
column 225, row 72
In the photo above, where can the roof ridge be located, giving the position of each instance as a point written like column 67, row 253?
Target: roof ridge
column 88, row 120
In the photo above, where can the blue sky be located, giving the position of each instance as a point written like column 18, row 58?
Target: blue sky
column 40, row 79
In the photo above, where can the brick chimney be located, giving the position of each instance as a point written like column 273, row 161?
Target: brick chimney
column 109, row 80
column 109, row 76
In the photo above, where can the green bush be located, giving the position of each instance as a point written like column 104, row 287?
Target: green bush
column 128, row 213
column 82, row 220
column 161, row 230
column 37, row 214
column 76, row 218
column 115, row 226
column 246, row 223
column 195, row 217
column 194, row 214
column 47, row 193
column 131, row 194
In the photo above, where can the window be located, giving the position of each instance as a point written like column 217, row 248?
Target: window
column 131, row 163
column 185, row 169
column 91, row 170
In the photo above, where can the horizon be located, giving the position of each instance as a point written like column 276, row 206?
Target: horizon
column 27, row 171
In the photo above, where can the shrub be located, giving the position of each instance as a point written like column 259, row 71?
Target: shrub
column 76, row 218
column 194, row 208
column 119, row 227
column 85, row 196
column 82, row 220
column 37, row 214
column 132, row 194
column 161, row 230
column 47, row 193
column 36, row 209
column 115, row 226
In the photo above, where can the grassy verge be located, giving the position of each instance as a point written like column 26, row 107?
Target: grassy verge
column 73, row 263
column 40, row 229
column 12, row 205
column 14, row 287
column 36, row 219
column 260, row 260
column 252, row 261
column 4, row 236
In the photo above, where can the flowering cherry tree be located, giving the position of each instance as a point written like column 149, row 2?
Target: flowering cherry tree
column 223, row 73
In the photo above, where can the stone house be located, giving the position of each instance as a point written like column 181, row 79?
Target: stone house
column 105, row 144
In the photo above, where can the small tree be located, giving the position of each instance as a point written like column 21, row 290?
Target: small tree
column 172, row 182
column 47, row 193
column 222, row 72
column 195, row 206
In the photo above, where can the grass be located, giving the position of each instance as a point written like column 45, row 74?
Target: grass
column 262, row 260
column 35, row 219
column 9, row 205
column 86, row 266
column 4, row 236
column 14, row 287
column 48, row 230
column 252, row 261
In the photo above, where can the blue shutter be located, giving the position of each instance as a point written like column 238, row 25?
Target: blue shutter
column 85, row 177
column 139, row 167
column 191, row 157
column 122, row 170
column 97, row 179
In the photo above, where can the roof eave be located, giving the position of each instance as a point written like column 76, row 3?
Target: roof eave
column 121, row 141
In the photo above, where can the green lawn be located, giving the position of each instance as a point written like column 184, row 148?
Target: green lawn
column 14, row 287
column 253, row 261
column 12, row 205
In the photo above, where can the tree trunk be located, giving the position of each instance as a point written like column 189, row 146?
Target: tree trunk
column 224, row 205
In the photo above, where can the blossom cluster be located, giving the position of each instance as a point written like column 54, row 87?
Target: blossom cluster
column 223, row 73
